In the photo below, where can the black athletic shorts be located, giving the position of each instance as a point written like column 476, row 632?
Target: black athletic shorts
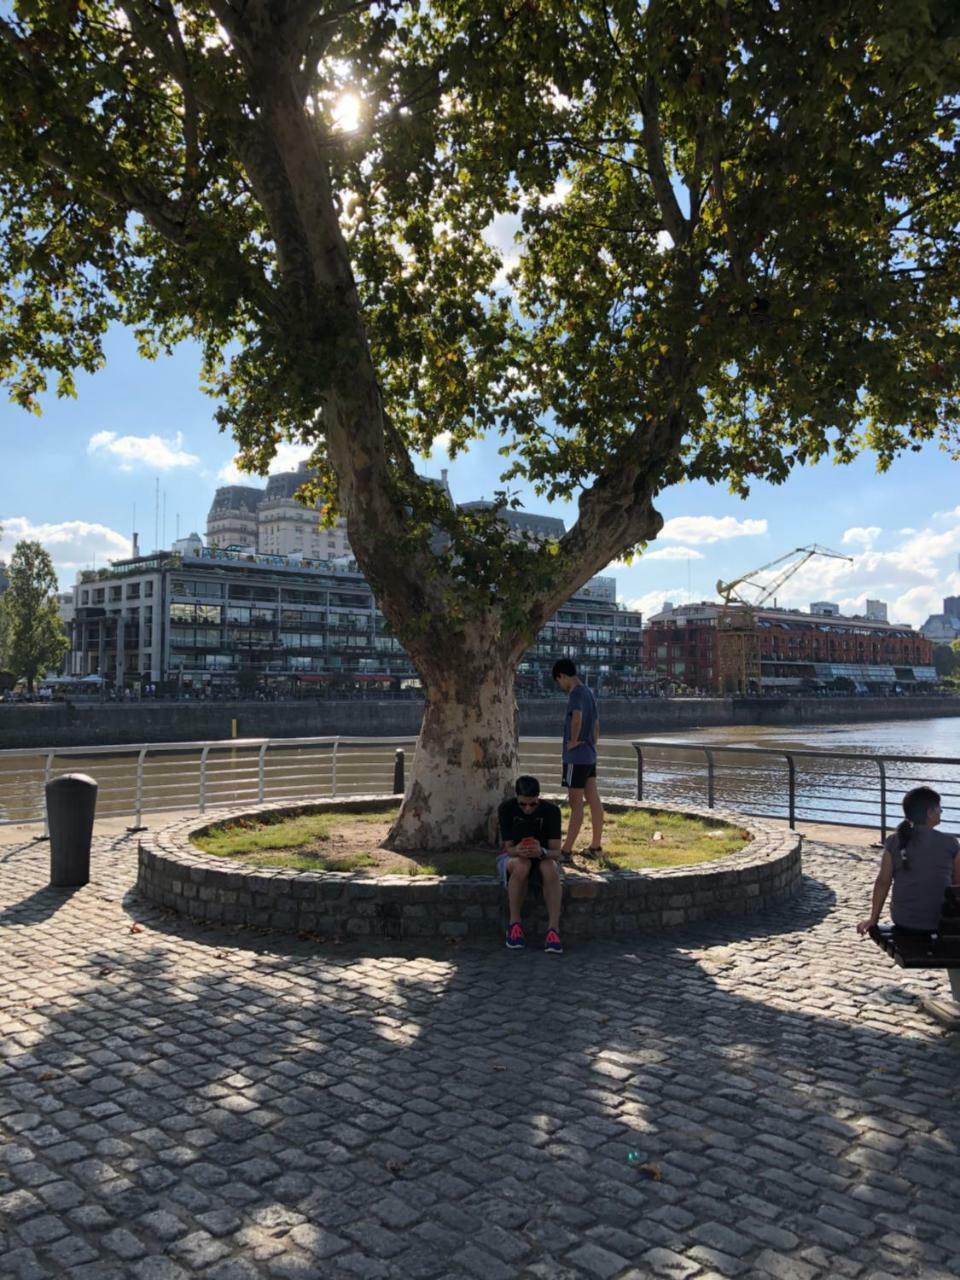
column 575, row 775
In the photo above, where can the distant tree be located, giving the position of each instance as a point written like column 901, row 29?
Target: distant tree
column 738, row 251
column 33, row 639
column 946, row 659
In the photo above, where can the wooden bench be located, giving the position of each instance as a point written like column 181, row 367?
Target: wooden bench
column 937, row 950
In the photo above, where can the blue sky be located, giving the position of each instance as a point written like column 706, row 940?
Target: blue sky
column 72, row 478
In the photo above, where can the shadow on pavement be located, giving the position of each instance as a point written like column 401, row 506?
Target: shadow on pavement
column 711, row 1091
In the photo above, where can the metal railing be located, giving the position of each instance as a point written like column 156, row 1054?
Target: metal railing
column 837, row 788
column 162, row 777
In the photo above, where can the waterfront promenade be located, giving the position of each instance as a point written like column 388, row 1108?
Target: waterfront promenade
column 757, row 1099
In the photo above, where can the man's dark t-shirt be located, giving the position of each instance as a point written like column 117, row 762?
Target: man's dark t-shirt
column 543, row 823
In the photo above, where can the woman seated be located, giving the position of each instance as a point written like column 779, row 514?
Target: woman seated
column 920, row 862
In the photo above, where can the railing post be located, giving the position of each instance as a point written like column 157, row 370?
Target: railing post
column 710, row 772
column 137, row 822
column 792, row 791
column 47, row 775
column 883, row 801
column 333, row 768
column 399, row 786
column 261, row 771
column 203, row 779
column 639, row 751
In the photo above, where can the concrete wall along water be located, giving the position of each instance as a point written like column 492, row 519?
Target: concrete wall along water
column 62, row 725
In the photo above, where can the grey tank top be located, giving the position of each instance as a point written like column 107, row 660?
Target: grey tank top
column 918, row 888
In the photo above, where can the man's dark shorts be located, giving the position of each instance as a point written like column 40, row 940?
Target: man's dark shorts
column 575, row 775
column 503, row 874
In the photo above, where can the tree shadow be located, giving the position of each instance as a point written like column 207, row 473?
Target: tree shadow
column 409, row 1115
column 38, row 906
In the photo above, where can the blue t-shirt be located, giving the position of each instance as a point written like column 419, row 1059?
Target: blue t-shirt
column 581, row 699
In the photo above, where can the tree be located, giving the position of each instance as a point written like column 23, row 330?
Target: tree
column 946, row 660
column 33, row 636
column 738, row 252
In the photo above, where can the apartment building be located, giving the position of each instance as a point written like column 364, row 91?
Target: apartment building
column 209, row 619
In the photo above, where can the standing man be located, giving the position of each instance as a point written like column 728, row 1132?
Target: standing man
column 581, row 732
column 530, row 843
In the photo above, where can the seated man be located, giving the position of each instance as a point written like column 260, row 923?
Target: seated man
column 530, row 831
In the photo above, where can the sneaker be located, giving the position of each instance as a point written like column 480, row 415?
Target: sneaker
column 566, row 856
column 515, row 939
column 552, row 943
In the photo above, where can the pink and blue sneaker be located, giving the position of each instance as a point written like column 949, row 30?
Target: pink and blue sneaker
column 515, row 939
column 552, row 944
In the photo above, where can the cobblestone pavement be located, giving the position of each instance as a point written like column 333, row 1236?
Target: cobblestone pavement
column 178, row 1102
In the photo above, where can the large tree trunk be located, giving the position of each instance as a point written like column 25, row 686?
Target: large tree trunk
column 465, row 762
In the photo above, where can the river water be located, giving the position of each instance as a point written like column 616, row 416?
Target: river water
column 843, row 786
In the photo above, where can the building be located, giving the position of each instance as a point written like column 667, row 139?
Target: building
column 208, row 619
column 522, row 524
column 944, row 628
column 232, row 519
column 602, row 637
column 716, row 649
column 286, row 527
column 272, row 522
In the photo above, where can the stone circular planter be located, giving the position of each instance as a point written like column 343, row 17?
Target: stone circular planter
column 174, row 873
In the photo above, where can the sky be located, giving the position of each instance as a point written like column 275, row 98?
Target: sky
column 83, row 476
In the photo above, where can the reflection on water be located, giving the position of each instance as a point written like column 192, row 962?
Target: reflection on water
column 845, row 790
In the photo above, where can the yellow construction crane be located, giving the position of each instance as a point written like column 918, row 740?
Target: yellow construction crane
column 738, row 641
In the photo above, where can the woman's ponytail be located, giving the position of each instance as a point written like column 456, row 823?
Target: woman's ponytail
column 916, row 805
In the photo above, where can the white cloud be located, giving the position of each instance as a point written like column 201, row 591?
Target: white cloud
column 916, row 605
column 153, row 452
column 287, row 458
column 72, row 544
column 653, row 601
column 441, row 445
column 673, row 553
column 503, row 230
column 912, row 577
column 864, row 536
column 699, row 529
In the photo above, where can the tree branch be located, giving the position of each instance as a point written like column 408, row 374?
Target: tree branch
column 673, row 218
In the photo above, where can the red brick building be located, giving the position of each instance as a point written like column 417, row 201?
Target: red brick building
column 783, row 649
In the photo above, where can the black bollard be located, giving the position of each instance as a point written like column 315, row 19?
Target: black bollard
column 71, row 805
column 398, row 784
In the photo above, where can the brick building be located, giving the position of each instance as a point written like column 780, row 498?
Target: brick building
column 783, row 650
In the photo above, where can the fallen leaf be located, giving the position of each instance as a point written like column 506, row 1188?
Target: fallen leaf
column 136, row 928
column 650, row 1171
column 49, row 1075
column 394, row 1166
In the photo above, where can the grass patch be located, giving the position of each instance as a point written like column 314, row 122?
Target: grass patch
column 250, row 836
column 333, row 841
column 629, row 844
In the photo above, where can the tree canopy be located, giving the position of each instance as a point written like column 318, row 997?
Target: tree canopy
column 32, row 639
column 737, row 252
